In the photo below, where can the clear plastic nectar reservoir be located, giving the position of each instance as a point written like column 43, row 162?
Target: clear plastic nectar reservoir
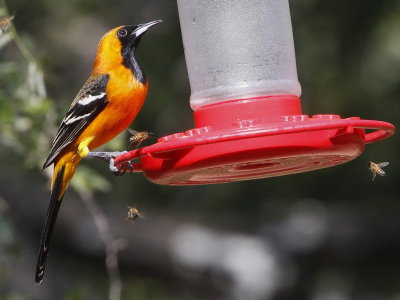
column 238, row 49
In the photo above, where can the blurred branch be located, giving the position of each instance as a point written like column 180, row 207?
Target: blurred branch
column 112, row 245
column 20, row 45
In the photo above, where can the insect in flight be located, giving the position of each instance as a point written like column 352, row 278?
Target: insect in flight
column 5, row 23
column 138, row 137
column 376, row 168
column 133, row 214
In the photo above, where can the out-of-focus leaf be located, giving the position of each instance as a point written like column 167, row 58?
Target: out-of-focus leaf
column 36, row 80
column 87, row 180
column 15, row 296
column 6, row 232
column 5, row 39
column 75, row 295
column 7, row 67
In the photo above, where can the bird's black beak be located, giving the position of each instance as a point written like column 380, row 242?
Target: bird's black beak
column 142, row 28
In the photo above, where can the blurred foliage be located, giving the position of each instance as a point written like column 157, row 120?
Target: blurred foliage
column 23, row 101
column 348, row 58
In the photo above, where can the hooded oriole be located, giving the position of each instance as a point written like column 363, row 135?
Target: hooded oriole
column 106, row 105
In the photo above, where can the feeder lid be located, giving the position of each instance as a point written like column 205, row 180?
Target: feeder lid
column 252, row 138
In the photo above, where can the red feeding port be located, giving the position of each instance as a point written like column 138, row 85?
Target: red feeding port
column 245, row 96
column 254, row 138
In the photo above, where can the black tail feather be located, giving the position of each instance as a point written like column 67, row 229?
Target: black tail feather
column 52, row 212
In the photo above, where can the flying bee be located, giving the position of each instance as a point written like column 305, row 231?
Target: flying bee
column 376, row 168
column 5, row 23
column 133, row 214
column 138, row 137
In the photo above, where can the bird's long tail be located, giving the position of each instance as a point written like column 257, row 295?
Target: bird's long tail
column 64, row 169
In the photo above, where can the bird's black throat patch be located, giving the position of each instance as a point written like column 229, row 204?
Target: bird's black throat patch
column 129, row 44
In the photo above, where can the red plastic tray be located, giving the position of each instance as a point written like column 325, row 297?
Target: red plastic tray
column 253, row 138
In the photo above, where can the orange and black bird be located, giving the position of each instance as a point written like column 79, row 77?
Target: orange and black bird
column 105, row 106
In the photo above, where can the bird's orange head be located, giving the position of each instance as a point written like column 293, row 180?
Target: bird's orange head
column 118, row 46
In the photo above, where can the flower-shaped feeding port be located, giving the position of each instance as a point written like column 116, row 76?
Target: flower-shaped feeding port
column 247, row 110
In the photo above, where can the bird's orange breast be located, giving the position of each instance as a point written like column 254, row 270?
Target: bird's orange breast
column 126, row 96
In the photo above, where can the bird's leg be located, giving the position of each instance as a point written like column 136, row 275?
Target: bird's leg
column 106, row 156
column 109, row 157
column 373, row 176
column 126, row 167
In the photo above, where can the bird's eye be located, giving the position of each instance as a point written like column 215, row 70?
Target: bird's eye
column 122, row 32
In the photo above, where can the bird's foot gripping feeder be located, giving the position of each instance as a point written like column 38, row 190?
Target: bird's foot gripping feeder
column 245, row 93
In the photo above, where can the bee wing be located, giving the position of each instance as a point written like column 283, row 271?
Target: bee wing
column 383, row 164
column 132, row 131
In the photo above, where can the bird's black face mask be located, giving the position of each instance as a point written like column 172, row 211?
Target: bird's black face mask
column 130, row 36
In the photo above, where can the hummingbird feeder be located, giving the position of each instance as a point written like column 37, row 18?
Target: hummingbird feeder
column 245, row 96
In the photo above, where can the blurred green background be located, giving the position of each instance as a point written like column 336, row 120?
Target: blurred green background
column 328, row 234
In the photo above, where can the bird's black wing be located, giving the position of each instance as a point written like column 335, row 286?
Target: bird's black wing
column 89, row 102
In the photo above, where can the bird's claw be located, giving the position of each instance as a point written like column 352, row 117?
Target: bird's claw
column 109, row 157
column 126, row 167
column 112, row 166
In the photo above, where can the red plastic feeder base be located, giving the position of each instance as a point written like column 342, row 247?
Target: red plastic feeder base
column 254, row 138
